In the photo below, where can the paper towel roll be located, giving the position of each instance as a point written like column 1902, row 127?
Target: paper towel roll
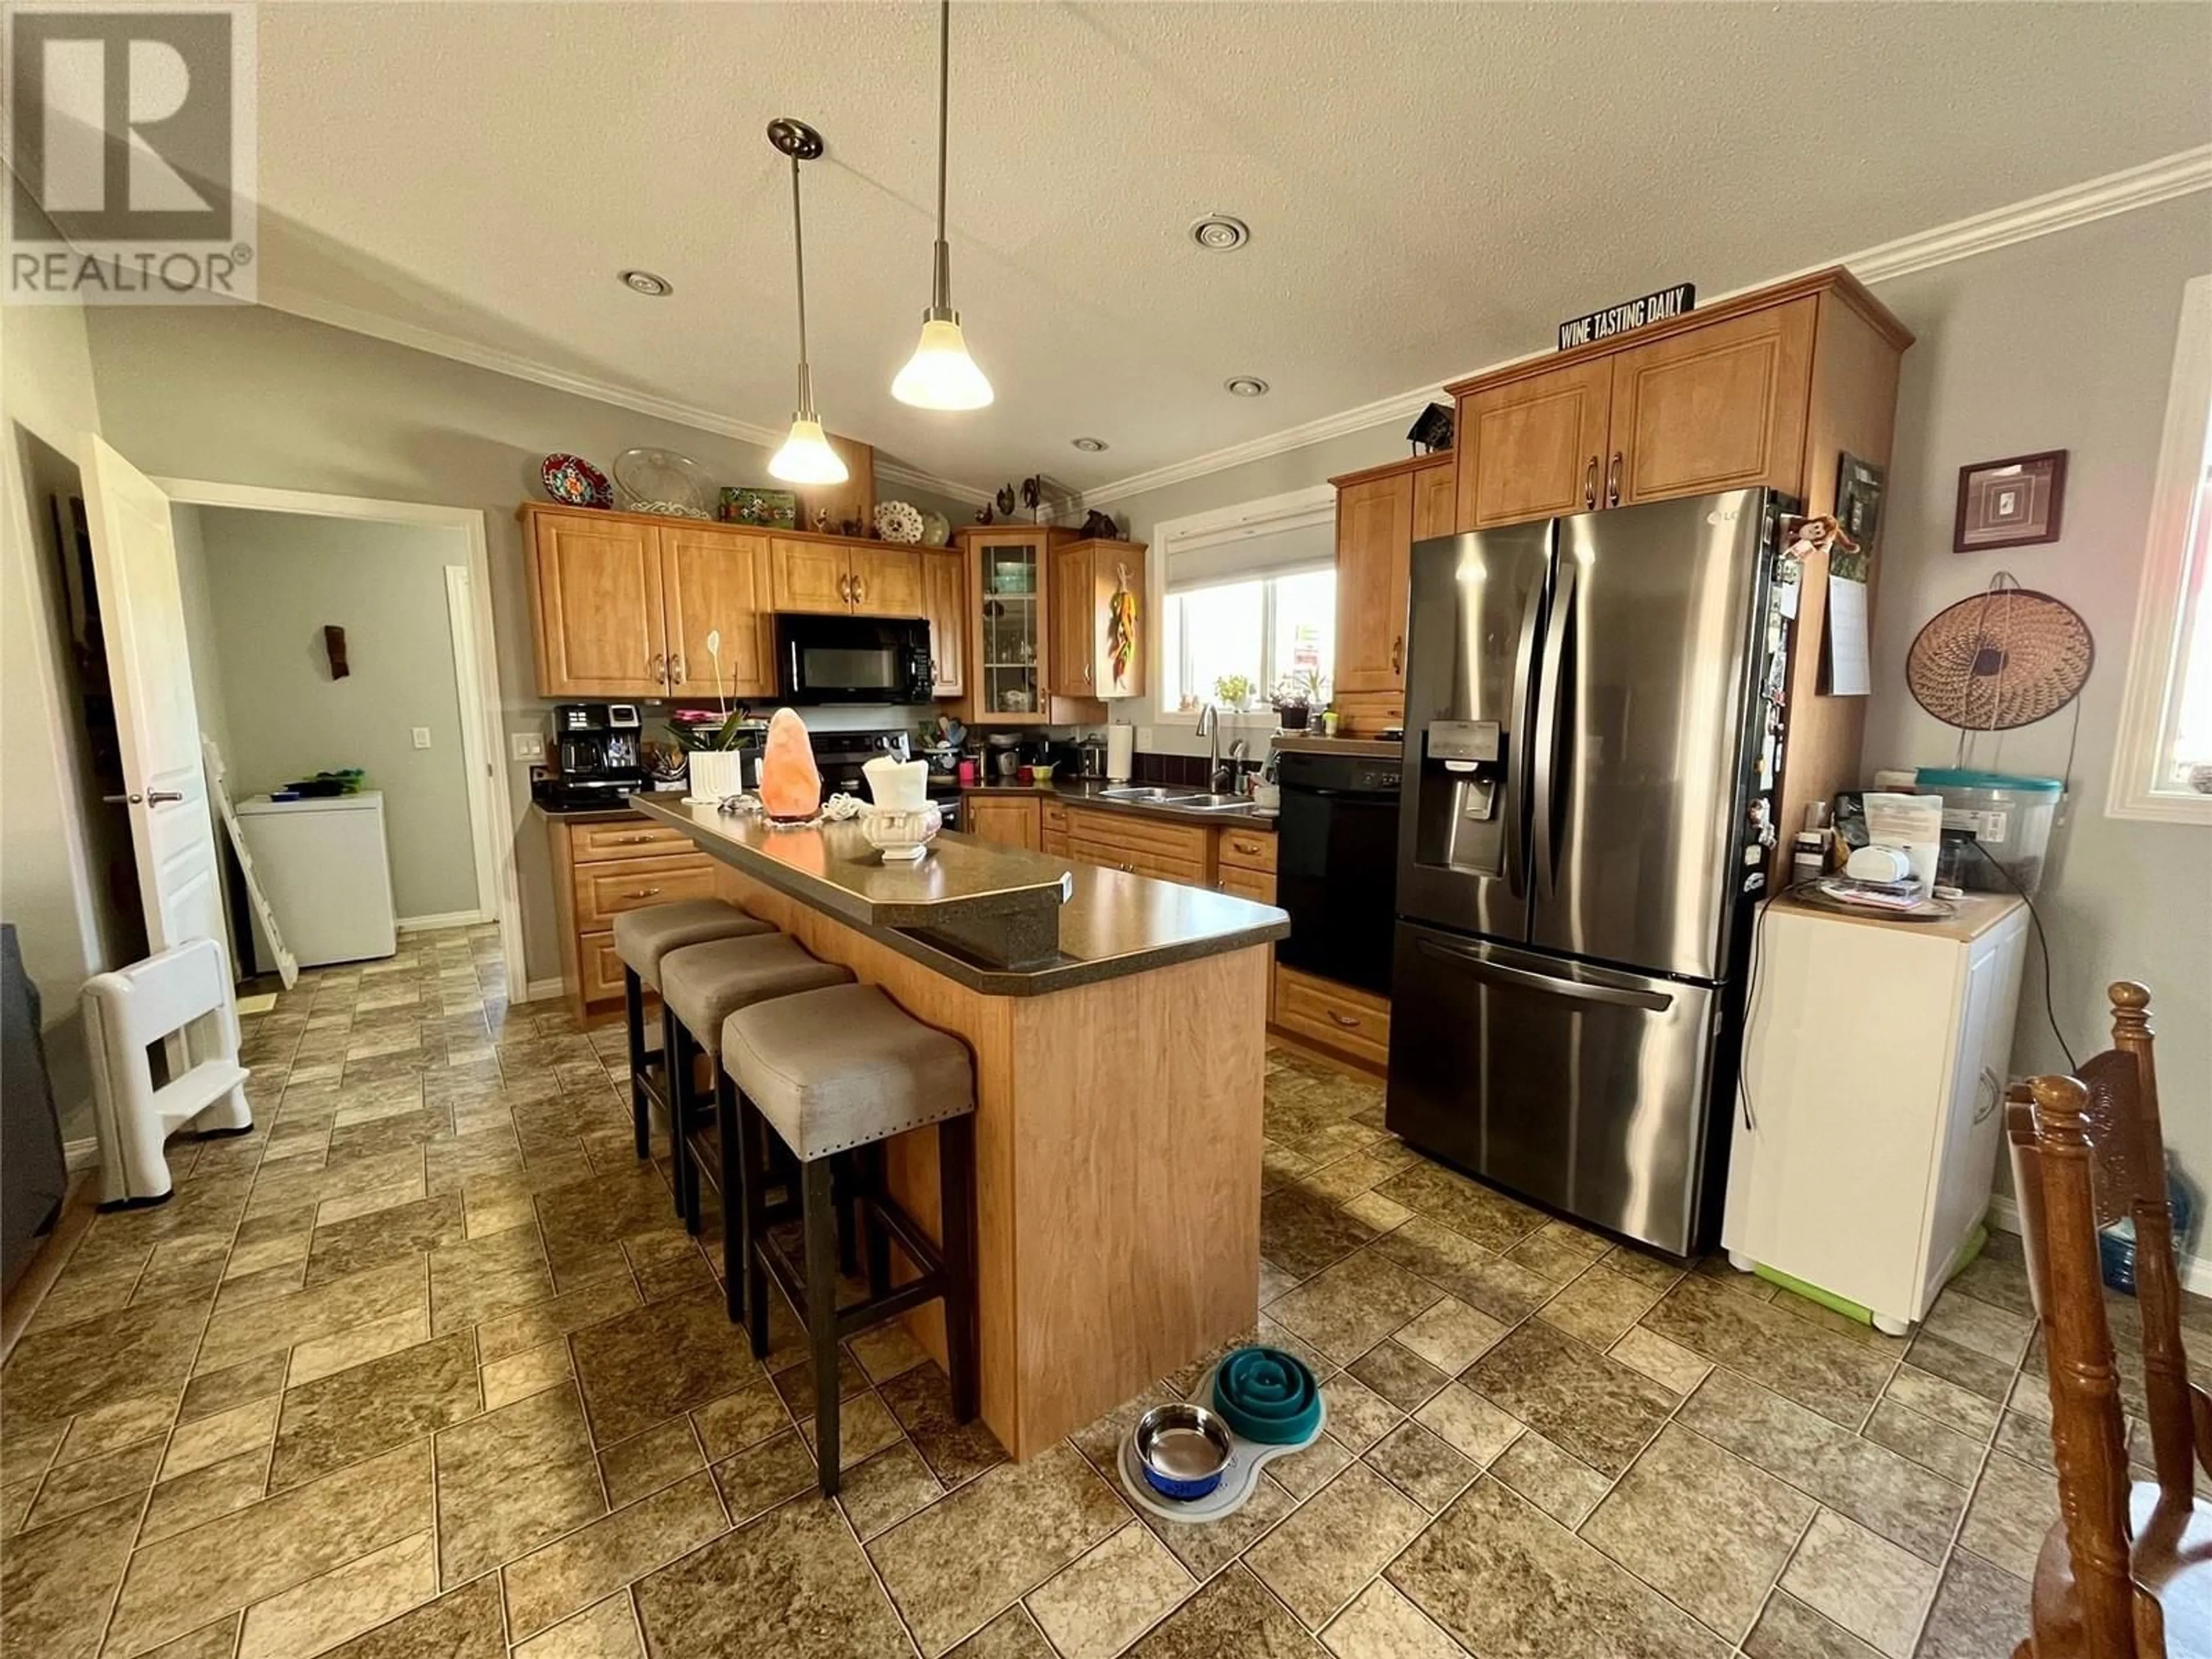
column 1121, row 750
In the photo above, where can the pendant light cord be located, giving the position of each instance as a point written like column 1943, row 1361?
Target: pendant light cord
column 940, row 303
column 798, row 261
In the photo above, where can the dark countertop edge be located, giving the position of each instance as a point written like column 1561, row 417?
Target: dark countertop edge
column 1081, row 795
column 596, row 814
column 1065, row 974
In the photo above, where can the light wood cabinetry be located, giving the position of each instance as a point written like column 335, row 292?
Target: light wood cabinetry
column 1340, row 1018
column 1052, row 825
column 848, row 579
column 1380, row 514
column 811, row 576
column 1145, row 846
column 715, row 583
column 1533, row 447
column 601, row 869
column 1436, row 500
column 1009, row 820
column 945, row 603
column 1085, row 578
column 1721, row 407
column 887, row 582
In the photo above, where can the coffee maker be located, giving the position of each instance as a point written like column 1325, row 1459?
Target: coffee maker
column 598, row 756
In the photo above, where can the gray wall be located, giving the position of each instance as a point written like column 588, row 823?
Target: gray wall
column 257, row 397
column 273, row 580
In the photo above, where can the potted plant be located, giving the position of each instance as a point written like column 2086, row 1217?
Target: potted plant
column 1233, row 691
column 708, row 738
column 1297, row 694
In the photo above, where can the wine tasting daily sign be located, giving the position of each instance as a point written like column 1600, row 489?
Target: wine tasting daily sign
column 1629, row 314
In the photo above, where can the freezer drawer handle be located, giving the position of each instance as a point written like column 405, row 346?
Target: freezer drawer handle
column 1620, row 996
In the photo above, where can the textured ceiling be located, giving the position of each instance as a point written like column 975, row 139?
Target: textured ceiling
column 1431, row 187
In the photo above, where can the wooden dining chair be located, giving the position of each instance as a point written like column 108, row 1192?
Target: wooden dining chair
column 2126, row 1572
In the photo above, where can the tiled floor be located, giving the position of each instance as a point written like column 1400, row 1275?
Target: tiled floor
column 424, row 1367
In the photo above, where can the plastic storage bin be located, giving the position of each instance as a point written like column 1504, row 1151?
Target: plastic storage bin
column 1995, row 826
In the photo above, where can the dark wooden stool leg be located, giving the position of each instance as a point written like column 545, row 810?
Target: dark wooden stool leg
column 752, row 1184
column 734, row 1232
column 634, row 1013
column 820, row 1220
column 956, row 1171
column 671, row 1073
column 876, row 1185
column 845, row 1186
column 683, row 1102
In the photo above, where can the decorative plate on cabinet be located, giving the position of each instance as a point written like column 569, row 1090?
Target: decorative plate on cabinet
column 898, row 521
column 936, row 529
column 575, row 482
column 662, row 481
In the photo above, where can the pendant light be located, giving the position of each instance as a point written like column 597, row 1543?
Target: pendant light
column 806, row 457
column 941, row 374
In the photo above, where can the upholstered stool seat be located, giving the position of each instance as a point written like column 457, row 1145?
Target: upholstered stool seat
column 700, row 987
column 643, row 937
column 836, row 1072
column 839, row 1068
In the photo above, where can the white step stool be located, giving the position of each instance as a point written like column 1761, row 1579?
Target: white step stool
column 182, row 993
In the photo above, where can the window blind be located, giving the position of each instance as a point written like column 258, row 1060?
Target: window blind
column 1233, row 557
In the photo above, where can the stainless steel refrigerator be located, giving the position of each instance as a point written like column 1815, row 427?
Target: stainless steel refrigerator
column 1593, row 738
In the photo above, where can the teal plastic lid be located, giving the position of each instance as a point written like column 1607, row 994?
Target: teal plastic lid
column 1955, row 777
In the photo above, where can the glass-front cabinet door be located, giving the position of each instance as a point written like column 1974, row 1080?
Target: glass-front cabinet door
column 1010, row 575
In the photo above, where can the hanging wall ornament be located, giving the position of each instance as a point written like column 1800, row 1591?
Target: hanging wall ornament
column 2006, row 658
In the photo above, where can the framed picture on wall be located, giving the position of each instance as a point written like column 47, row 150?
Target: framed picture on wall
column 2015, row 502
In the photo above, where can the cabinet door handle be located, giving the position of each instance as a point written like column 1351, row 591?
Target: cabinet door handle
column 1344, row 1020
column 1612, row 481
column 1086, row 673
column 1589, row 483
column 631, row 841
column 1398, row 654
column 860, row 591
column 675, row 670
column 657, row 667
column 845, row 589
column 642, row 892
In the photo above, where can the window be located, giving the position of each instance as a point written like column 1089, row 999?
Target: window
column 2162, row 763
column 1262, row 631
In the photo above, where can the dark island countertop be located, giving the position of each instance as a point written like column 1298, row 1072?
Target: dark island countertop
column 996, row 919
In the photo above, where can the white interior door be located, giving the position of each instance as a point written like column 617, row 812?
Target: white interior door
column 142, row 613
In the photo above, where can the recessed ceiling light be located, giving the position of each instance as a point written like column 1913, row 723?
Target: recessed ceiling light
column 645, row 282
column 1217, row 232
column 1246, row 386
column 1088, row 445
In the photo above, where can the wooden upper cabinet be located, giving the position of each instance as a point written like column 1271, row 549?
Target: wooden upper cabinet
column 887, row 581
column 715, row 582
column 810, row 575
column 1436, row 500
column 1535, row 448
column 1082, row 583
column 945, row 603
column 1721, row 407
column 595, row 593
column 1074, row 654
column 1374, row 544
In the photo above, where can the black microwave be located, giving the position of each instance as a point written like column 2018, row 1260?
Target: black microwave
column 851, row 659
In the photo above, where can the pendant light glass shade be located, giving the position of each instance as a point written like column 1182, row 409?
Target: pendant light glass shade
column 941, row 374
column 806, row 457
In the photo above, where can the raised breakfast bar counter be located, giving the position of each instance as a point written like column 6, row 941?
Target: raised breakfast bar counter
column 1121, row 1058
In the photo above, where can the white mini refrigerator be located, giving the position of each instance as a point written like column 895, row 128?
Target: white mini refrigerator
column 327, row 873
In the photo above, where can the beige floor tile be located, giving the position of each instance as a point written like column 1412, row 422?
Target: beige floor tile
column 547, row 1585
column 93, row 1482
column 1598, row 1306
column 792, row 1584
column 356, row 1412
column 1451, row 1336
column 1475, row 1427
column 879, row 1493
column 2013, row 1507
column 1563, row 1486
column 511, row 1479
column 313, row 1617
column 463, row 1623
column 112, row 1427
column 518, row 1375
column 1357, row 1415
column 57, row 1593
column 1788, row 1629
column 1232, row 1617
column 310, row 1316
column 605, row 1630
column 554, row 1318
column 1012, row 1635
column 1869, row 1586
column 1667, row 1364
column 1381, row 1624
column 1421, row 1466
column 1320, row 1557
column 180, row 1504
column 226, row 1434
column 1099, row 1604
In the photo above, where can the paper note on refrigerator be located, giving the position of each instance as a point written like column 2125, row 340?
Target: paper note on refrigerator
column 1850, row 674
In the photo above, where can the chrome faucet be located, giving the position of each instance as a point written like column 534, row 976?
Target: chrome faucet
column 1209, row 727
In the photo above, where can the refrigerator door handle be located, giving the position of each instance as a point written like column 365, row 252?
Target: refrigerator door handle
column 1619, row 996
column 1547, row 758
column 1518, row 749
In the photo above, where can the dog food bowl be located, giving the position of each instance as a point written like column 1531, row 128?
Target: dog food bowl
column 1183, row 1449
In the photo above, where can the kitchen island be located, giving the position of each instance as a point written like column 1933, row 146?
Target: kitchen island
column 1121, row 1055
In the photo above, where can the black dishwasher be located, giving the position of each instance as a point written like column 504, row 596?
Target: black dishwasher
column 1336, row 858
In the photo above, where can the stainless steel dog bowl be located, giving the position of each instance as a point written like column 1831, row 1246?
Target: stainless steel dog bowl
column 1183, row 1449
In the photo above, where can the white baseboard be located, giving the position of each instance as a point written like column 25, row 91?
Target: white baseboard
column 447, row 919
column 81, row 1155
column 542, row 990
column 2196, row 1270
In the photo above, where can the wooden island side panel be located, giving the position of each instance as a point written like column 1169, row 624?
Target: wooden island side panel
column 1117, row 1179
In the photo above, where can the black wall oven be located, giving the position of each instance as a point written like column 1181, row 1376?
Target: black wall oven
column 1336, row 861
column 851, row 660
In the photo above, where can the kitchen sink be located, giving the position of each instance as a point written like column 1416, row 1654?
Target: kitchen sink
column 1212, row 803
column 1145, row 792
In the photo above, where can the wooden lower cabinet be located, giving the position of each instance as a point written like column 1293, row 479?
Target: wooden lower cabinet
column 600, row 869
column 1052, row 825
column 1009, row 820
column 1342, row 1018
column 1144, row 847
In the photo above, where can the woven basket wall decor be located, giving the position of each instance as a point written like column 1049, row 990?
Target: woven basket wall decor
column 2005, row 658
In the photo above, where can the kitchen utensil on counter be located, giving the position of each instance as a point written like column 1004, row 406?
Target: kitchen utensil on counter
column 1040, row 774
column 1183, row 1450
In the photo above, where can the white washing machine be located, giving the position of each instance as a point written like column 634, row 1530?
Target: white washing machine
column 327, row 873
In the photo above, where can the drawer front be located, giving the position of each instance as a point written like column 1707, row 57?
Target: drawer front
column 1249, row 849
column 1185, row 843
column 600, row 967
column 1258, row 885
column 1335, row 1015
column 1137, row 861
column 634, row 838
column 604, row 890
column 1055, row 817
column 1054, row 843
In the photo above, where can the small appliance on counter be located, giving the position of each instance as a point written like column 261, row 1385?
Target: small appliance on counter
column 597, row 757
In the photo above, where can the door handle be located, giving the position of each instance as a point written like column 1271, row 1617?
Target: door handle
column 1589, row 483
column 656, row 667
column 1612, row 481
column 845, row 589
column 1518, row 746
column 1617, row 996
column 642, row 893
column 161, row 797
column 132, row 799
column 675, row 670
column 1398, row 654
column 1545, row 760
column 1086, row 673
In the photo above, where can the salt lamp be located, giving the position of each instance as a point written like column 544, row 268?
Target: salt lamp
column 790, row 784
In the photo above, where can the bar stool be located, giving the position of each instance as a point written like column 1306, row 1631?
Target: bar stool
column 643, row 937
column 833, row 1071
column 700, row 987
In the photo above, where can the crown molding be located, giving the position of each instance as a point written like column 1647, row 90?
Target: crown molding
column 515, row 366
column 2162, row 180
